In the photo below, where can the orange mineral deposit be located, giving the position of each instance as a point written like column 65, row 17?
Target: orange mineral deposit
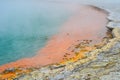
column 87, row 23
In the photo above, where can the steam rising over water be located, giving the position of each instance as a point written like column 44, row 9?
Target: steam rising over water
column 25, row 27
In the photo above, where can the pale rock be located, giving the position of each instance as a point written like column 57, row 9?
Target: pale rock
column 113, row 25
column 111, row 76
column 116, row 32
column 114, row 17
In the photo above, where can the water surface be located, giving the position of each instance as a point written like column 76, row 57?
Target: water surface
column 25, row 27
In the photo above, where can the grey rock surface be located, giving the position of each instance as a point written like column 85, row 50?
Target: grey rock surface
column 115, row 17
column 113, row 25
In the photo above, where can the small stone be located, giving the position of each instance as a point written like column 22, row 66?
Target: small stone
column 99, row 64
column 113, row 25
column 108, row 10
column 111, row 76
column 10, row 70
column 114, row 17
column 116, row 32
column 69, row 67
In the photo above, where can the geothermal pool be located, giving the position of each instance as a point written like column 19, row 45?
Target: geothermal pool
column 81, row 28
column 25, row 27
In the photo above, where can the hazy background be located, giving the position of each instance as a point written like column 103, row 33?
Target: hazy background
column 26, row 25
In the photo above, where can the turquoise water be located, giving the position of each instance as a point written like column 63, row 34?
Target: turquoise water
column 25, row 27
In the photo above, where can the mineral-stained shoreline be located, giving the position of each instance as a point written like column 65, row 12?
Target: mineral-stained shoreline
column 99, row 64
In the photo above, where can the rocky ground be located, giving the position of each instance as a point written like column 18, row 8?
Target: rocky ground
column 100, row 64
